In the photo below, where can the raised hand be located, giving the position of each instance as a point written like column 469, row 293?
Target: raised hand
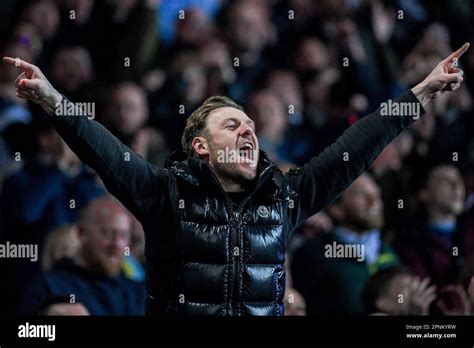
column 31, row 84
column 420, row 296
column 459, row 301
column 446, row 76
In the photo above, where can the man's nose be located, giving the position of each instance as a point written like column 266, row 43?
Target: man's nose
column 246, row 130
column 116, row 238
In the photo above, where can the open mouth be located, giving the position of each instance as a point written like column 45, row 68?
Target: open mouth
column 246, row 152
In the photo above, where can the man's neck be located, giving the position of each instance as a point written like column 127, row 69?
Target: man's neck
column 354, row 229
column 230, row 185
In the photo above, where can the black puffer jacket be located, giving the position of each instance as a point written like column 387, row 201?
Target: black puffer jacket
column 202, row 257
column 228, row 261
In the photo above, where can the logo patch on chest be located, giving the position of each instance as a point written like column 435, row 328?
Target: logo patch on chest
column 262, row 211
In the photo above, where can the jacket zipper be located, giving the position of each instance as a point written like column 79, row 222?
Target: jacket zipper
column 235, row 264
column 236, row 229
column 237, row 241
column 228, row 203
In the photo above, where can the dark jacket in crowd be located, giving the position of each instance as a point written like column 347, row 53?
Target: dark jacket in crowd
column 332, row 286
column 101, row 295
column 34, row 201
column 431, row 253
column 204, row 256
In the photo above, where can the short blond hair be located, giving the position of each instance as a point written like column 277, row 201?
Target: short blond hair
column 196, row 123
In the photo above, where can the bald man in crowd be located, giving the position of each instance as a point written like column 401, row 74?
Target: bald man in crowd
column 94, row 276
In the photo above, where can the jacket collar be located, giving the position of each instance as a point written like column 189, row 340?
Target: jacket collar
column 196, row 171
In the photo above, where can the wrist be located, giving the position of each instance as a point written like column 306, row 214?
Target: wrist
column 422, row 93
column 50, row 103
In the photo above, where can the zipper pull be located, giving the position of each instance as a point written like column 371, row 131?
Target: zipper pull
column 237, row 219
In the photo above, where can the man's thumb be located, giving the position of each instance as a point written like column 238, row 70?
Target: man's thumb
column 453, row 78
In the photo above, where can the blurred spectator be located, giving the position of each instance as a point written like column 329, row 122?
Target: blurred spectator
column 393, row 179
column 448, row 124
column 294, row 303
column 184, row 89
column 44, row 15
column 48, row 191
column 434, row 241
column 273, row 129
column 133, row 30
column 120, row 35
column 94, row 276
column 126, row 112
column 126, row 115
column 394, row 291
column 318, row 223
column 331, row 282
column 72, row 70
column 62, row 242
column 26, row 35
column 271, row 122
column 194, row 29
column 366, row 41
column 312, row 56
column 169, row 12
column 82, row 9
column 454, row 300
column 62, row 306
column 215, row 56
column 285, row 85
column 249, row 31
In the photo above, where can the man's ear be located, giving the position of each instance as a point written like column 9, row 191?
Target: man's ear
column 201, row 146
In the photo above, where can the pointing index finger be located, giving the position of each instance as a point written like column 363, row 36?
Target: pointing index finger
column 19, row 63
column 457, row 54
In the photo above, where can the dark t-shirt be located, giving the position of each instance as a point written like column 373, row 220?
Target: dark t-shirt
column 236, row 198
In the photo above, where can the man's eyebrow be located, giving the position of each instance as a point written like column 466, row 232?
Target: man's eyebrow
column 229, row 119
column 250, row 121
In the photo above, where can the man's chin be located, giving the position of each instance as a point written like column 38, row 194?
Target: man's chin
column 111, row 267
column 367, row 224
column 247, row 171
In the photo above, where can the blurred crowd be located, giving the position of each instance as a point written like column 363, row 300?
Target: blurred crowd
column 305, row 71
